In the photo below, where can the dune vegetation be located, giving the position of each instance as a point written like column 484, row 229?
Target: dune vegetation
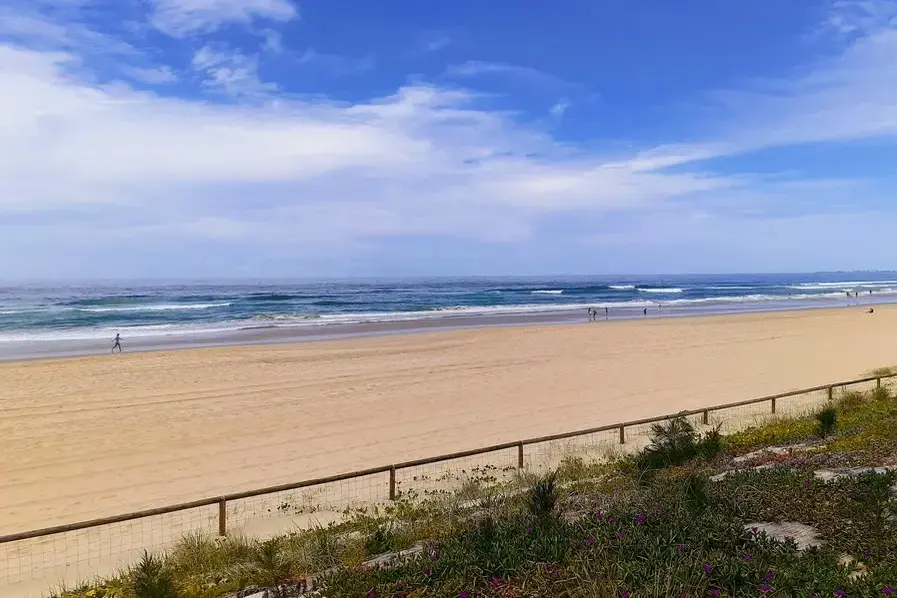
column 793, row 507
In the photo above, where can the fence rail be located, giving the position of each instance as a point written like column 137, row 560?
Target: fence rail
column 817, row 395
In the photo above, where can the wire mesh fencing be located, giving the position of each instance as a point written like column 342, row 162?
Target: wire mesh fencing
column 32, row 566
column 35, row 562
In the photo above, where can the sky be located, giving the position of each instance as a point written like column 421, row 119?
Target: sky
column 335, row 138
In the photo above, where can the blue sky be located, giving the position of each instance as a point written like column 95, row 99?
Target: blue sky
column 230, row 138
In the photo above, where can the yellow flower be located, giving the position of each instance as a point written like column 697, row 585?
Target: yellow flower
column 91, row 593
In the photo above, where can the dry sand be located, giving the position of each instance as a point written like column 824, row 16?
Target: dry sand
column 96, row 436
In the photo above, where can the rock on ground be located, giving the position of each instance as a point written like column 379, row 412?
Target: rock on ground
column 803, row 535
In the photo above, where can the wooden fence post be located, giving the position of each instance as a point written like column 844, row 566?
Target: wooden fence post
column 392, row 483
column 773, row 402
column 520, row 456
column 705, row 418
column 622, row 434
column 222, row 517
column 878, row 383
column 831, row 392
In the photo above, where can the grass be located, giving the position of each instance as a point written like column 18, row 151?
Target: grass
column 597, row 529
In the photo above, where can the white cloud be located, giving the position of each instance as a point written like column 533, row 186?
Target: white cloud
column 181, row 18
column 34, row 29
column 425, row 161
column 231, row 72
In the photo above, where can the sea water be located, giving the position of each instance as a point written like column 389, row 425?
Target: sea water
column 41, row 312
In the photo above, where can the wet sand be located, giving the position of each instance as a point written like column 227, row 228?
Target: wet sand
column 95, row 436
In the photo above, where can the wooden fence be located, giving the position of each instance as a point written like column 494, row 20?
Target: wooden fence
column 620, row 429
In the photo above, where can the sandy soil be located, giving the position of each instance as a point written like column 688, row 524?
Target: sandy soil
column 91, row 437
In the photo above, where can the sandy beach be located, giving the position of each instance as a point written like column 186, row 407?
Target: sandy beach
column 95, row 436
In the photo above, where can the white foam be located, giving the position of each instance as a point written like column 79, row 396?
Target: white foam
column 548, row 292
column 153, row 307
column 670, row 291
column 314, row 320
column 847, row 285
column 622, row 287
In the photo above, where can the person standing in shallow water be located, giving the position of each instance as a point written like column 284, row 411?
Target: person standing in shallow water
column 116, row 343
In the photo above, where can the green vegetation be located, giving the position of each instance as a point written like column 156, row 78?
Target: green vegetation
column 826, row 420
column 650, row 525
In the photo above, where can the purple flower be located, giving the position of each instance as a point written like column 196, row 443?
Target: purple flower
column 641, row 518
column 840, row 593
column 765, row 587
column 428, row 572
column 496, row 581
column 624, row 594
column 464, row 595
column 746, row 558
column 889, row 591
column 708, row 569
column 680, row 548
column 599, row 516
column 768, row 576
column 714, row 591
column 529, row 530
column 433, row 555
column 621, row 535
column 755, row 531
column 590, row 541
column 866, row 554
column 372, row 594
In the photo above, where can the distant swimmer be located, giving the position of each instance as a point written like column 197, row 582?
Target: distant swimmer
column 116, row 343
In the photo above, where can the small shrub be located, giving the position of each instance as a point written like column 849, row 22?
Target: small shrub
column 152, row 579
column 268, row 564
column 672, row 443
column 711, row 444
column 379, row 542
column 826, row 421
column 880, row 393
column 851, row 400
column 543, row 496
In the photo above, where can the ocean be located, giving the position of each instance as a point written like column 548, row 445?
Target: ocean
column 43, row 313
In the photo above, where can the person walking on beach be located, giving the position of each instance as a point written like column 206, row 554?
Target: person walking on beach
column 591, row 315
column 646, row 312
column 606, row 313
column 116, row 343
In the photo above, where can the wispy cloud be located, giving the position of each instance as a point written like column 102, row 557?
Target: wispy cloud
column 422, row 161
column 153, row 75
column 479, row 68
column 230, row 71
column 181, row 18
column 560, row 107
column 336, row 63
column 273, row 41
column 427, row 42
column 438, row 43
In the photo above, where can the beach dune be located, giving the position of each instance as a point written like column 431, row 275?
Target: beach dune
column 96, row 436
